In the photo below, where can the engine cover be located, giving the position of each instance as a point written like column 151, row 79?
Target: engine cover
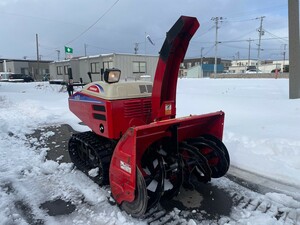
column 109, row 109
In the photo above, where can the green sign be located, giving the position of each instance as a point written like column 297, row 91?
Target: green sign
column 68, row 50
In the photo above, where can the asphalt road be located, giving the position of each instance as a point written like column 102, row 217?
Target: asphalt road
column 206, row 202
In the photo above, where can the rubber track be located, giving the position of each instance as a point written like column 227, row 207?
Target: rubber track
column 103, row 148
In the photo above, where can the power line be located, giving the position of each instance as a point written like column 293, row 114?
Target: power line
column 275, row 36
column 246, row 34
column 206, row 31
column 86, row 30
column 254, row 11
column 237, row 21
column 263, row 39
column 211, row 48
column 232, row 46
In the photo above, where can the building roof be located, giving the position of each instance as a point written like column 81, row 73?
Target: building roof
column 24, row 60
column 102, row 55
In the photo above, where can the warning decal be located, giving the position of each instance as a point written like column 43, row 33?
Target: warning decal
column 168, row 109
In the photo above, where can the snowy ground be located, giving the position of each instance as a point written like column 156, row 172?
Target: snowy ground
column 262, row 134
column 262, row 129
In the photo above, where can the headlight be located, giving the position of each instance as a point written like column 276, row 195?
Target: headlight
column 112, row 75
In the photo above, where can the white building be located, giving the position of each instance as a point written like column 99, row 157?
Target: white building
column 266, row 66
column 132, row 67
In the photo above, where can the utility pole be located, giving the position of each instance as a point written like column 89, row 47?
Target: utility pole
column 85, row 47
column 284, row 48
column 58, row 54
column 238, row 55
column 201, row 61
column 261, row 32
column 136, row 48
column 249, row 51
column 37, row 56
column 294, row 49
column 216, row 20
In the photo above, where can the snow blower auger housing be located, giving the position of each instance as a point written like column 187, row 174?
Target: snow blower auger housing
column 137, row 145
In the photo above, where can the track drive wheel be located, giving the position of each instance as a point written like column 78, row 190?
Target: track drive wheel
column 91, row 154
column 138, row 207
column 216, row 154
column 194, row 164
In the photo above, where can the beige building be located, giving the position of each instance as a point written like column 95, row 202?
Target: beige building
column 132, row 67
column 35, row 69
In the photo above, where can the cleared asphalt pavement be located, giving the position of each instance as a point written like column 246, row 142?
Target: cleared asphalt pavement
column 205, row 202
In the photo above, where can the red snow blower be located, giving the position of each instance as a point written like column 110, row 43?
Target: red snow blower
column 137, row 145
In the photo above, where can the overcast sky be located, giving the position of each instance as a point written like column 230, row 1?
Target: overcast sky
column 114, row 26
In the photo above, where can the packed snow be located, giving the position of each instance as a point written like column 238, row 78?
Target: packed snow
column 262, row 134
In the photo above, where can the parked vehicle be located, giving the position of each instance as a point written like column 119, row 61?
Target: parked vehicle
column 274, row 70
column 20, row 78
column 4, row 76
column 253, row 71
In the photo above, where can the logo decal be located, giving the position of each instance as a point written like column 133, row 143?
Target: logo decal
column 96, row 88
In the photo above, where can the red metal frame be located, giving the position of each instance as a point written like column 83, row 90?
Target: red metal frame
column 136, row 140
column 171, row 55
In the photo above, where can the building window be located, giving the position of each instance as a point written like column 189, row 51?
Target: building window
column 66, row 69
column 24, row 71
column 139, row 67
column 108, row 65
column 95, row 67
column 59, row 70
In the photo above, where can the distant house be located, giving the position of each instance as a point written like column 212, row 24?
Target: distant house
column 132, row 67
column 36, row 69
column 266, row 66
column 195, row 72
column 207, row 66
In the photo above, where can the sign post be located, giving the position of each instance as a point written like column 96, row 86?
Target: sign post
column 68, row 52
